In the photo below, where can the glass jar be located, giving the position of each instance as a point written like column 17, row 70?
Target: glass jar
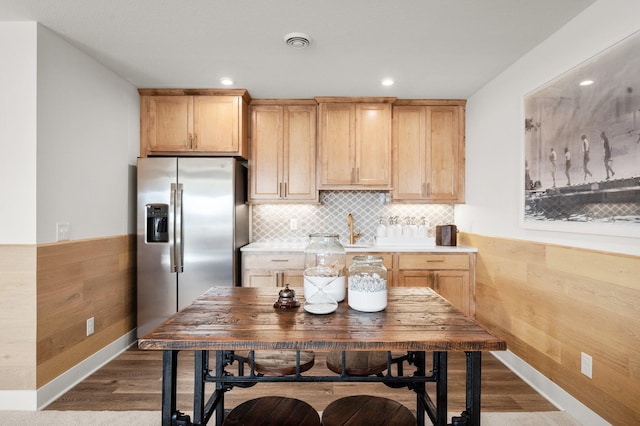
column 325, row 250
column 367, row 284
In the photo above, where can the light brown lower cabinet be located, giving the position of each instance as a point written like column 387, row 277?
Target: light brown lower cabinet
column 452, row 275
column 272, row 269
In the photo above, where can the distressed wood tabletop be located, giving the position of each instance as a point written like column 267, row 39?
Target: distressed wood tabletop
column 242, row 318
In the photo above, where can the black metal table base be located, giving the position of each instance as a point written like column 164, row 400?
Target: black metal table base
column 204, row 409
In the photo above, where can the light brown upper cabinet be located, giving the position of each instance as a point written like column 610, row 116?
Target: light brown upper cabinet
column 194, row 122
column 354, row 143
column 282, row 166
column 428, row 151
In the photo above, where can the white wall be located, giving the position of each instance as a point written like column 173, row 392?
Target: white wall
column 88, row 139
column 495, row 127
column 18, row 132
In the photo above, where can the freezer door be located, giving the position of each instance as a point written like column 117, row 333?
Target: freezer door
column 157, row 280
column 207, row 225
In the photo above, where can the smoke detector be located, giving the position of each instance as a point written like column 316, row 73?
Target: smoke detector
column 297, row 40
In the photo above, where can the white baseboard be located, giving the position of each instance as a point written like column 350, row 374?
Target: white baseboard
column 32, row 400
column 18, row 400
column 551, row 391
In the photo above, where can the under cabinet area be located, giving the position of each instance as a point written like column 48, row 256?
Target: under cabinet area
column 194, row 122
column 282, row 165
column 354, row 143
column 428, row 151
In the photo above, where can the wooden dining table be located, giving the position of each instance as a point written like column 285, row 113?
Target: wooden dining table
column 239, row 319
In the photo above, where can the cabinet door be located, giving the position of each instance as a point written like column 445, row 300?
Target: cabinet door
column 409, row 153
column 283, row 153
column 454, row 286
column 266, row 152
column 416, row 279
column 373, row 145
column 259, row 279
column 445, row 153
column 166, row 123
column 336, row 163
column 217, row 124
column 299, row 152
column 428, row 152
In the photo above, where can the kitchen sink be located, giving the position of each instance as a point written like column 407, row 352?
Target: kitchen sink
column 362, row 245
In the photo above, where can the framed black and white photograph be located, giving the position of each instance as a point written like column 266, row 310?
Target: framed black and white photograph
column 582, row 146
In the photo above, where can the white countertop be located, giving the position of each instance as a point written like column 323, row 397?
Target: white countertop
column 299, row 246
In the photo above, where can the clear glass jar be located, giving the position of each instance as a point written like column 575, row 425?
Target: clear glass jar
column 367, row 284
column 325, row 250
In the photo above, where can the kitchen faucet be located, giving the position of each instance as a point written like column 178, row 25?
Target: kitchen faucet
column 352, row 236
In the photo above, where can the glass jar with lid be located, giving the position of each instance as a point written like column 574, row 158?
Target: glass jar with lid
column 367, row 284
column 325, row 250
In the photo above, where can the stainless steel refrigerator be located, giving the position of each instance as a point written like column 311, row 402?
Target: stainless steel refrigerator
column 192, row 221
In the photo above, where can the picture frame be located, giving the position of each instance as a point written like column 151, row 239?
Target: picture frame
column 582, row 147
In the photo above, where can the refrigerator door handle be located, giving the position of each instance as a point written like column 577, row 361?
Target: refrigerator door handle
column 179, row 233
column 172, row 233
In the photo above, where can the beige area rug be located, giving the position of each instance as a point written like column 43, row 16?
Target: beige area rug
column 152, row 418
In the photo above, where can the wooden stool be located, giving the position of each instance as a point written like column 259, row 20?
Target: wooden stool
column 358, row 363
column 367, row 410
column 273, row 410
column 280, row 363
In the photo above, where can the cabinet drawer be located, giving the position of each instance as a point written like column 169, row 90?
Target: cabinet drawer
column 273, row 261
column 433, row 261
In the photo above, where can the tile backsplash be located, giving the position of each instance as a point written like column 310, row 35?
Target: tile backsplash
column 271, row 222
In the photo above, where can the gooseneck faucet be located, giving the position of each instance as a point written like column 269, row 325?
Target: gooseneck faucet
column 352, row 235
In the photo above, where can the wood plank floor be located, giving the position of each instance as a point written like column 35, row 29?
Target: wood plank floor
column 132, row 381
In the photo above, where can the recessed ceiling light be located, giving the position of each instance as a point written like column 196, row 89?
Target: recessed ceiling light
column 586, row 82
column 387, row 82
column 226, row 81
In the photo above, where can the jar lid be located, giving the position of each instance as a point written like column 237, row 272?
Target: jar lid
column 367, row 258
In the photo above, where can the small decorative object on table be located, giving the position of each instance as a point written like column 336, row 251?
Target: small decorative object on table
column 367, row 284
column 286, row 299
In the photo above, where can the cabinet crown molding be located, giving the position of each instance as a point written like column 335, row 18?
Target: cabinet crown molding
column 196, row 92
column 430, row 102
column 345, row 99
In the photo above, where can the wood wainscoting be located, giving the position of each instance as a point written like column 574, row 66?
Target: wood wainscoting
column 550, row 303
column 77, row 280
column 17, row 317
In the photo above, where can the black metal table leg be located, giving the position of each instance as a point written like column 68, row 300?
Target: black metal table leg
column 420, row 388
column 169, row 374
column 219, row 406
column 440, row 370
column 200, row 370
column 474, row 371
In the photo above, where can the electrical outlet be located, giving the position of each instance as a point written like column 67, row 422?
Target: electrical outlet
column 293, row 224
column 90, row 326
column 586, row 364
column 62, row 231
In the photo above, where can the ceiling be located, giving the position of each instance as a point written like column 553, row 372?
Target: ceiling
column 431, row 48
